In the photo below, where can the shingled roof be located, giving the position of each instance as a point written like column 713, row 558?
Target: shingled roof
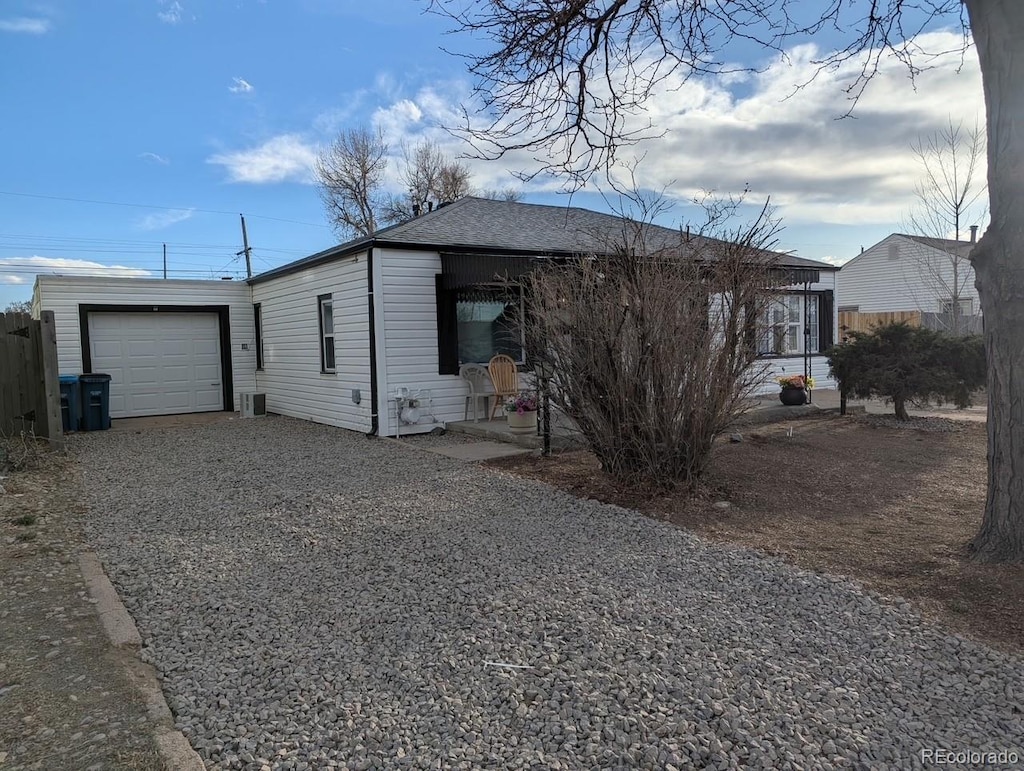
column 507, row 227
column 948, row 245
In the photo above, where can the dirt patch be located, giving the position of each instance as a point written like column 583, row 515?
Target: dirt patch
column 892, row 507
column 65, row 701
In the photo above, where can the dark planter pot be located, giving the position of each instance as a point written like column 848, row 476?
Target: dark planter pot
column 793, row 397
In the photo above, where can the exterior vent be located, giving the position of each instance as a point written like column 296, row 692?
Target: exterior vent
column 894, row 251
column 253, row 405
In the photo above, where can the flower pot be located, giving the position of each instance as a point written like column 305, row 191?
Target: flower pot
column 793, row 397
column 522, row 424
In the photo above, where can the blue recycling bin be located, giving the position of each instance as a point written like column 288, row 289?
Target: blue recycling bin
column 95, row 390
column 70, row 414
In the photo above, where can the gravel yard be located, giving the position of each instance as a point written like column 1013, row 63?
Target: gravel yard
column 314, row 598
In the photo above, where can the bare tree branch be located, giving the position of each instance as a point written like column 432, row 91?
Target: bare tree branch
column 351, row 174
column 950, row 194
column 431, row 176
column 569, row 80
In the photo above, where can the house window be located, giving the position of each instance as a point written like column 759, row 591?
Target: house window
column 487, row 323
column 326, row 312
column 257, row 315
column 966, row 306
column 783, row 324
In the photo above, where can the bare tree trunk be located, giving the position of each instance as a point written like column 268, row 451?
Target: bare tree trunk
column 998, row 28
column 900, row 403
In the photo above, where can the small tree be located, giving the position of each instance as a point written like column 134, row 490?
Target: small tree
column 902, row 364
column 351, row 174
column 950, row 194
column 653, row 350
column 19, row 306
column 431, row 176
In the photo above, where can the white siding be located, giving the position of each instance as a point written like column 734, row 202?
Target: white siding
column 63, row 295
column 291, row 376
column 409, row 332
column 893, row 275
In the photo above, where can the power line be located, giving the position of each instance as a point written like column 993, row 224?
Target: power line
column 130, row 242
column 150, row 206
column 113, row 272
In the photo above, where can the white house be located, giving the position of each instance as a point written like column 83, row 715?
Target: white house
column 910, row 273
column 335, row 336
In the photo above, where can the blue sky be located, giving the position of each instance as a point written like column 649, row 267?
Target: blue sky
column 133, row 123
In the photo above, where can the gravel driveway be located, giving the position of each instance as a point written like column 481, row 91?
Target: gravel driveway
column 317, row 599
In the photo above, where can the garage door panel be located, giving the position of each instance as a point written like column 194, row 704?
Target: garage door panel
column 159, row 363
column 176, row 348
column 177, row 399
column 139, row 347
column 111, row 348
column 208, row 374
column 142, row 377
column 208, row 400
column 206, row 347
column 177, row 374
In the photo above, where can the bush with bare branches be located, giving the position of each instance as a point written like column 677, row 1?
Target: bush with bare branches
column 653, row 351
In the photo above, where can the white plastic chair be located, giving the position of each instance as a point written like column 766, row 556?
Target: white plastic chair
column 479, row 382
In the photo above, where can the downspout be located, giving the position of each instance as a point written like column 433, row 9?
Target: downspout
column 374, row 417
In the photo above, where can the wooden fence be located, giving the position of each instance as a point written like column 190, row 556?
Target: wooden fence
column 29, row 388
column 851, row 321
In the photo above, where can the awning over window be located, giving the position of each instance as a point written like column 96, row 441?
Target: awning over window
column 459, row 271
column 463, row 270
column 792, row 276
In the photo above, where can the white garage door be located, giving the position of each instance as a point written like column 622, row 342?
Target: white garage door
column 159, row 363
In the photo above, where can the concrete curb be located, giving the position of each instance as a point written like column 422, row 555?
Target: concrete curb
column 177, row 753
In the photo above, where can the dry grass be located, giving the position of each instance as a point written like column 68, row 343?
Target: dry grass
column 890, row 507
column 44, row 602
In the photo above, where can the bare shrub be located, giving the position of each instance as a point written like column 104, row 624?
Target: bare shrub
column 653, row 350
column 20, row 451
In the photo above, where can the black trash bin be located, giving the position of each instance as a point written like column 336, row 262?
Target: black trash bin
column 69, row 393
column 95, row 389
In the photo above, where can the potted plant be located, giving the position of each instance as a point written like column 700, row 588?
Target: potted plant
column 522, row 413
column 794, row 389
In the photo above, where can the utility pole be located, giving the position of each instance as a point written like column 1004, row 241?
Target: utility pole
column 245, row 249
column 165, row 261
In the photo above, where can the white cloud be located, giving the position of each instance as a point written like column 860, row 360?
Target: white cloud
column 757, row 130
column 25, row 25
column 796, row 146
column 398, row 120
column 240, row 86
column 172, row 12
column 26, row 266
column 163, row 219
column 721, row 134
column 163, row 161
column 284, row 158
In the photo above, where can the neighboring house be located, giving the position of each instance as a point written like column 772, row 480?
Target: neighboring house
column 911, row 273
column 333, row 337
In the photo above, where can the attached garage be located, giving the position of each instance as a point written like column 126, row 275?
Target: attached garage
column 159, row 363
